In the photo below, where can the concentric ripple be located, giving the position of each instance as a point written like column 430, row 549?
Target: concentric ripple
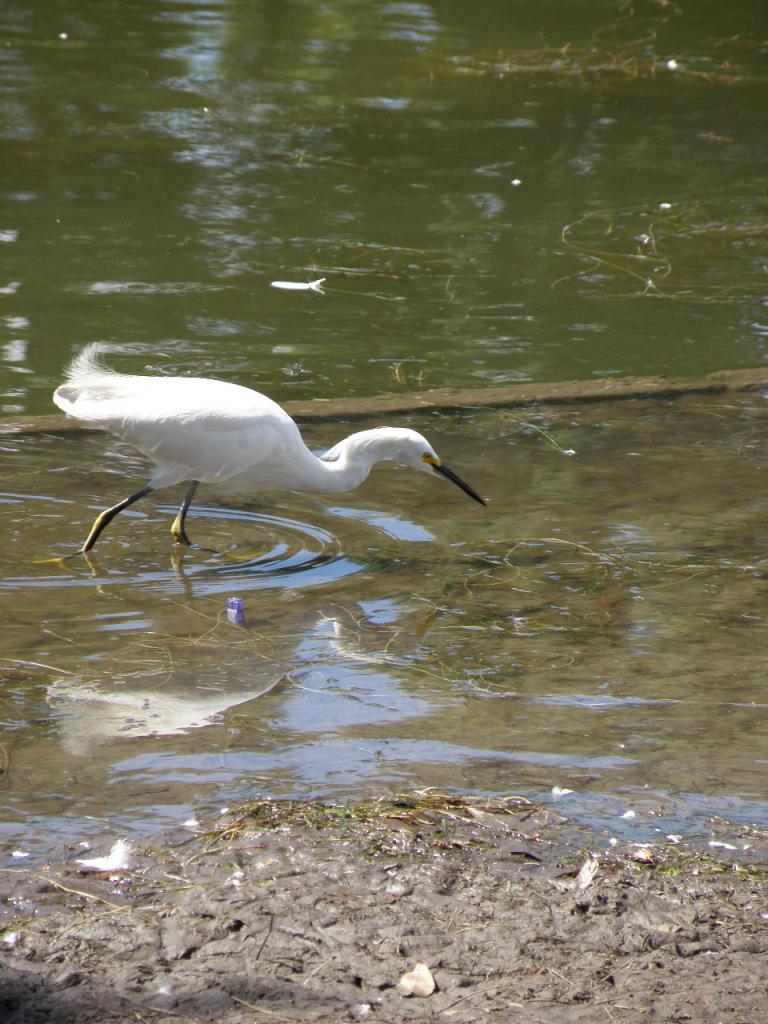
column 279, row 552
column 253, row 548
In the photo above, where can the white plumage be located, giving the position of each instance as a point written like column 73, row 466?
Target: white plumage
column 208, row 431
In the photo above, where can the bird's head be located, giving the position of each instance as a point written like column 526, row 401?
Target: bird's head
column 400, row 444
column 414, row 450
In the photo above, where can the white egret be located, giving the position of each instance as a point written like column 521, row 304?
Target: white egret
column 210, row 432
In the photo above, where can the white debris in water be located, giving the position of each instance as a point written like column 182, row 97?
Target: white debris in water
column 516, row 182
column 672, row 64
column 118, row 859
column 722, row 846
column 674, row 838
column 587, row 872
column 11, row 938
column 643, row 853
column 558, row 791
column 191, row 823
column 20, row 854
column 629, row 814
column 665, row 206
column 300, row 286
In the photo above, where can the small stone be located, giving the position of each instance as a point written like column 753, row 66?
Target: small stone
column 418, row 982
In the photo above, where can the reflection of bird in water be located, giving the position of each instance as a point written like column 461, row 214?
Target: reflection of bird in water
column 386, row 636
column 208, row 431
column 92, row 713
column 88, row 716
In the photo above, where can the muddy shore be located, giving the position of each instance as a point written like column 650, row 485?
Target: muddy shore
column 288, row 912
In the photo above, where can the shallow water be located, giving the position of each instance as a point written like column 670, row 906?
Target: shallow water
column 599, row 627
column 549, row 191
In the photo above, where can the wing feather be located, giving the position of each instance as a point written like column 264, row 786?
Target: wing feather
column 190, row 427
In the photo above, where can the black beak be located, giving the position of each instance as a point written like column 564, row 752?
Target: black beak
column 443, row 470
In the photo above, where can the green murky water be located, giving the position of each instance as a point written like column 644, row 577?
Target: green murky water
column 526, row 192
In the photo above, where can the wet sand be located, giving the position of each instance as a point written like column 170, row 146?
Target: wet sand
column 291, row 912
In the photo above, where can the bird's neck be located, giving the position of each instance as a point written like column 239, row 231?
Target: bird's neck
column 349, row 462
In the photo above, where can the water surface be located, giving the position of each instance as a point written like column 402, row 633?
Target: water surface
column 599, row 627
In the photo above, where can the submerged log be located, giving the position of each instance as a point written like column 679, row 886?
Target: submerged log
column 509, row 396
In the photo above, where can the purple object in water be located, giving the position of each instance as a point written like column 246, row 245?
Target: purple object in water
column 236, row 610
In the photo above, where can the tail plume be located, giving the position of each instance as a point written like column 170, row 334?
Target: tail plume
column 87, row 366
column 89, row 384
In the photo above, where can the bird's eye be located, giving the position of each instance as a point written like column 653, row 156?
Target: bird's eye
column 430, row 459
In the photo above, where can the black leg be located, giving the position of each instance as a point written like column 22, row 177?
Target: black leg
column 177, row 528
column 105, row 518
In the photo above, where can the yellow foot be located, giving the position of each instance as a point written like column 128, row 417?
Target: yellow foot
column 61, row 561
